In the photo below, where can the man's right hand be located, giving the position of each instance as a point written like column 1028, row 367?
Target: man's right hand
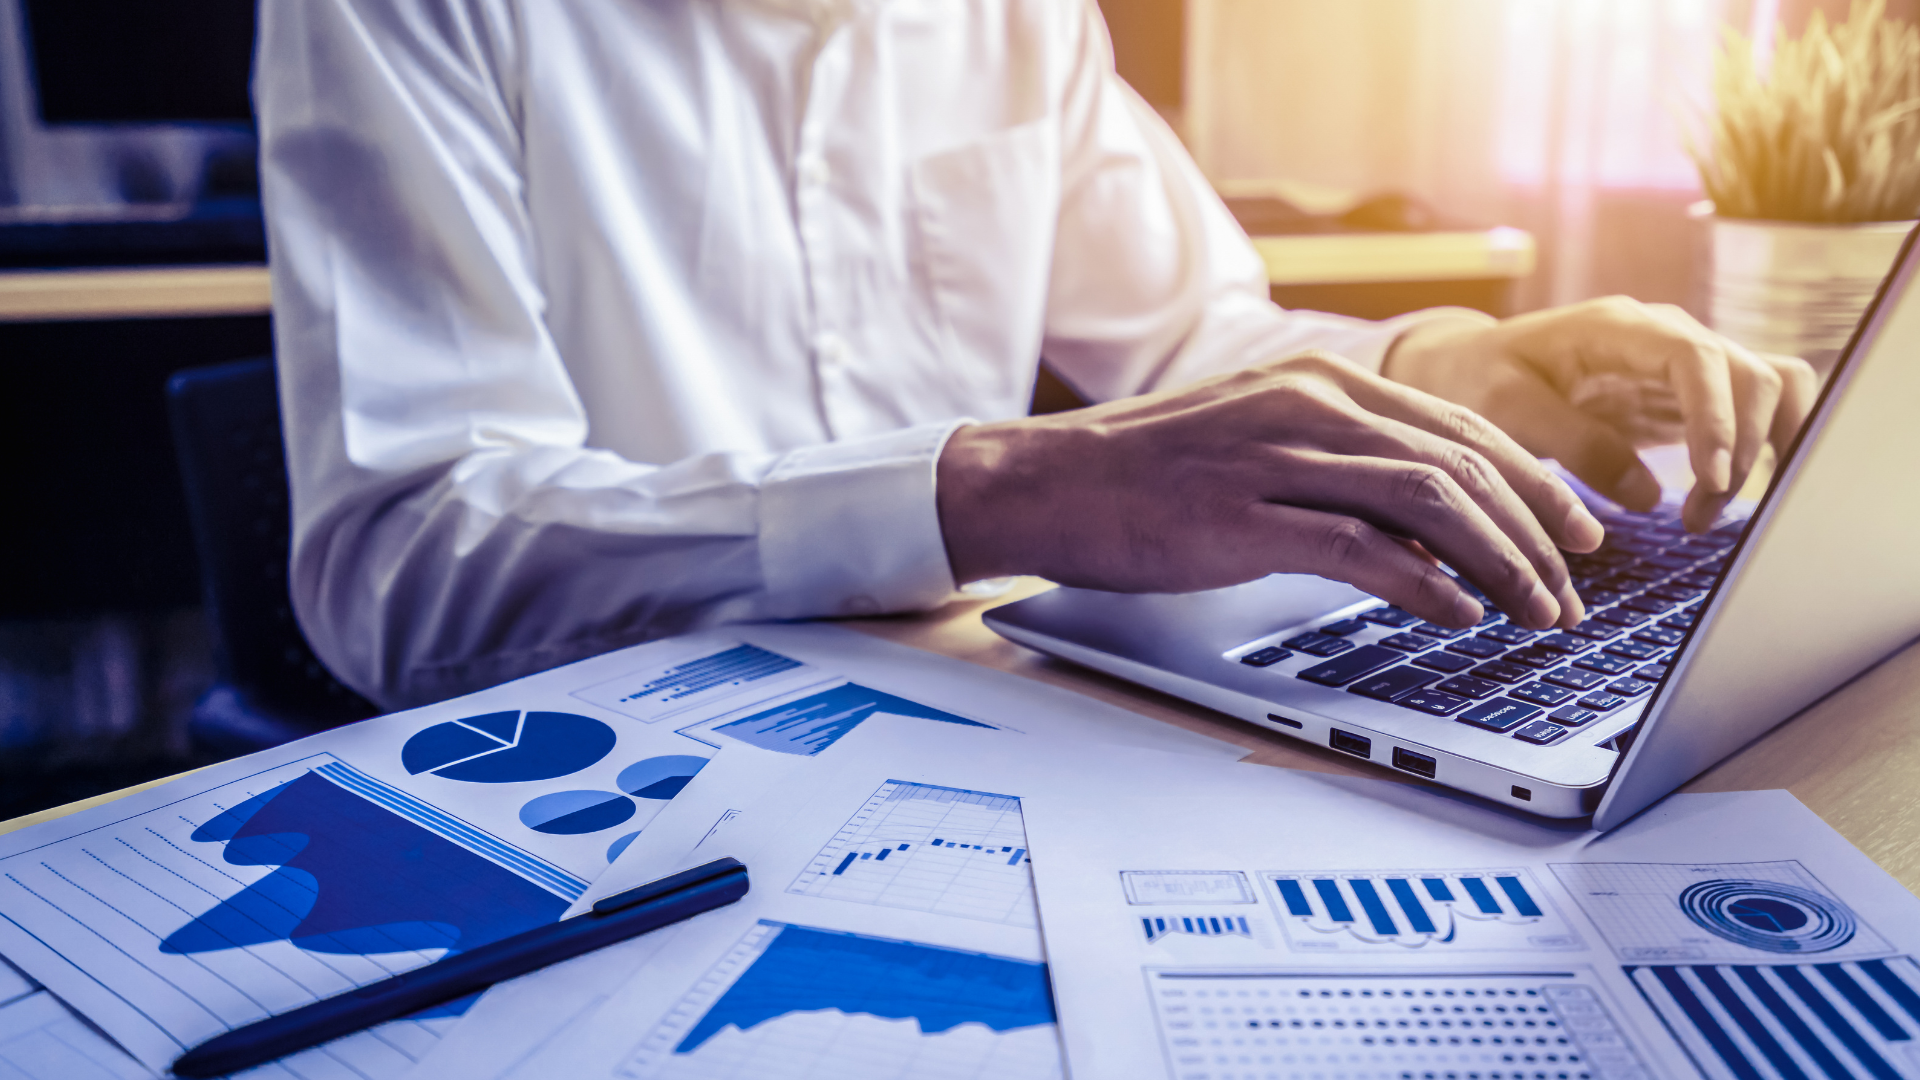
column 1303, row 465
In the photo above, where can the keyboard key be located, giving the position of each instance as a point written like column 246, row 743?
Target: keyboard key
column 1660, row 635
column 1541, row 694
column 1614, row 616
column 1629, row 688
column 1572, row 716
column 1604, row 664
column 1318, row 644
column 1652, row 672
column 1643, row 574
column 1540, row 732
column 1500, row 714
column 1696, row 580
column 1667, row 562
column 1432, row 702
column 1606, row 557
column 1534, row 657
column 1594, row 631
column 1599, row 598
column 1441, row 632
column 1633, row 650
column 1574, row 679
column 1601, row 701
column 1343, row 627
column 1266, row 657
column 1445, row 663
column 1474, row 647
column 1508, row 634
column 1391, row 683
column 1650, row 604
column 1679, row 594
column 1408, row 642
column 1502, row 672
column 1566, row 644
column 1682, row 621
column 1469, row 687
column 1344, row 669
column 1390, row 616
column 1693, row 549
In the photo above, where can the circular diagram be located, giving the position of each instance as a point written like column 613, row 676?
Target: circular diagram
column 508, row 747
column 568, row 813
column 659, row 777
column 1769, row 916
column 614, row 849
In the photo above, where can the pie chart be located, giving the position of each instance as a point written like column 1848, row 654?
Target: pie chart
column 568, row 813
column 659, row 777
column 508, row 747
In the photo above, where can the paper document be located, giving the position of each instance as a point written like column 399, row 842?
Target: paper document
column 1231, row 921
column 41, row 1040
column 262, row 884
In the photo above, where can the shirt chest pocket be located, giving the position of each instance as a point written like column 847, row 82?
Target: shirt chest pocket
column 984, row 216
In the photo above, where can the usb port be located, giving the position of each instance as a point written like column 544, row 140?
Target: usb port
column 1419, row 764
column 1348, row 742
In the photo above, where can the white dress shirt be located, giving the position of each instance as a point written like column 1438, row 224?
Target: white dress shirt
column 601, row 320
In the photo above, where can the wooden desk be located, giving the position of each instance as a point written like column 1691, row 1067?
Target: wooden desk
column 133, row 293
column 1853, row 758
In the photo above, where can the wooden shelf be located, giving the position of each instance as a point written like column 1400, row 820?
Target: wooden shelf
column 1357, row 258
column 133, row 293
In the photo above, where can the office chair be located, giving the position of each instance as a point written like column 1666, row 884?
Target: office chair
column 271, row 688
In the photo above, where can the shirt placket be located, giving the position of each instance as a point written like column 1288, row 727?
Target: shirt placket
column 814, row 204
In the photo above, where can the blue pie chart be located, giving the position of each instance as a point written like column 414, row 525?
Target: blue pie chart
column 508, row 747
column 659, row 777
column 569, row 813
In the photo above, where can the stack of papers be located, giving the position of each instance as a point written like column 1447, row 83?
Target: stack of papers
column 955, row 873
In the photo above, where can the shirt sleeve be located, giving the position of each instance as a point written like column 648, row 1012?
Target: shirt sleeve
column 1179, row 294
column 452, row 527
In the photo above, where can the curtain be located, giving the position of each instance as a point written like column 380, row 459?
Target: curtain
column 1562, row 117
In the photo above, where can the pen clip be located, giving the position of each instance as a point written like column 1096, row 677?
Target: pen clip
column 607, row 905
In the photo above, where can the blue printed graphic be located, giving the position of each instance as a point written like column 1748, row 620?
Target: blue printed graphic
column 1768, row 915
column 807, row 970
column 659, row 778
column 614, row 849
column 568, row 813
column 354, row 877
column 505, row 748
column 812, row 724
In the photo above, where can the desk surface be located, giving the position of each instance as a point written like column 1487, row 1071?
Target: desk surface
column 1853, row 758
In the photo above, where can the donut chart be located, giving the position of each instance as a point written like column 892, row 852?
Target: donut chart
column 570, row 813
column 1768, row 915
column 508, row 747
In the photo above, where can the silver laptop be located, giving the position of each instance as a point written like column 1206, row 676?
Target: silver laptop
column 1693, row 645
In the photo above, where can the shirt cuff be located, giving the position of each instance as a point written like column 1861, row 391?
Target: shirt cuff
column 851, row 528
column 1369, row 349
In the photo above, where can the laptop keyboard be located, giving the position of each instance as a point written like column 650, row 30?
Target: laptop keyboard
column 1641, row 589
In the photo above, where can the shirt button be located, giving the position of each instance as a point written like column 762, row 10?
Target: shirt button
column 832, row 350
column 814, row 171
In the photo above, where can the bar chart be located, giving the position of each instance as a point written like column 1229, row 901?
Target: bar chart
column 927, row 848
column 1398, row 910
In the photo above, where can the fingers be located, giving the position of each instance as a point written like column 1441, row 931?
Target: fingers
column 1346, row 549
column 1757, row 388
column 1549, row 425
column 1552, row 505
column 1451, row 503
column 1799, row 387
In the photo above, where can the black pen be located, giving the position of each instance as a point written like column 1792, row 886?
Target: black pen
column 615, row 918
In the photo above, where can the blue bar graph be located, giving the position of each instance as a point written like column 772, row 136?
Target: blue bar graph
column 1399, row 909
column 740, row 664
column 1763, row 1022
column 1157, row 927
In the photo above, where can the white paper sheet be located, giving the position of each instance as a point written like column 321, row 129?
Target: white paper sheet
column 41, row 1040
column 261, row 884
column 1210, row 921
column 14, row 983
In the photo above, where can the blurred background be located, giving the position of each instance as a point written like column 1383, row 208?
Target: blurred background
column 1387, row 154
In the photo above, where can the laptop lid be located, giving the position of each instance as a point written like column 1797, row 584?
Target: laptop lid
column 1826, row 581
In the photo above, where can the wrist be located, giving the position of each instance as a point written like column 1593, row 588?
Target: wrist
column 970, row 466
column 1416, row 356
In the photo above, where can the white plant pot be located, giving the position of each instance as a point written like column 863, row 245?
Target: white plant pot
column 1796, row 288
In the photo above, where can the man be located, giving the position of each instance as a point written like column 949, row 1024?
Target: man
column 601, row 320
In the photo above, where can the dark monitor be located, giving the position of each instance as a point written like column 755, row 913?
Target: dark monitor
column 141, row 61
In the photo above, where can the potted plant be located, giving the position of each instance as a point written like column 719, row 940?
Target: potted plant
column 1812, row 166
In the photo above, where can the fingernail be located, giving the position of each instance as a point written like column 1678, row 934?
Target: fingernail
column 1720, row 470
column 1542, row 609
column 1583, row 531
column 1467, row 611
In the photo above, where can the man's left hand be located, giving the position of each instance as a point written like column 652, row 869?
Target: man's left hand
column 1538, row 377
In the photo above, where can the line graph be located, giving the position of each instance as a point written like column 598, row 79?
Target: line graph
column 927, row 848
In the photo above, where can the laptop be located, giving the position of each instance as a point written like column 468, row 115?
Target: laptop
column 1693, row 645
